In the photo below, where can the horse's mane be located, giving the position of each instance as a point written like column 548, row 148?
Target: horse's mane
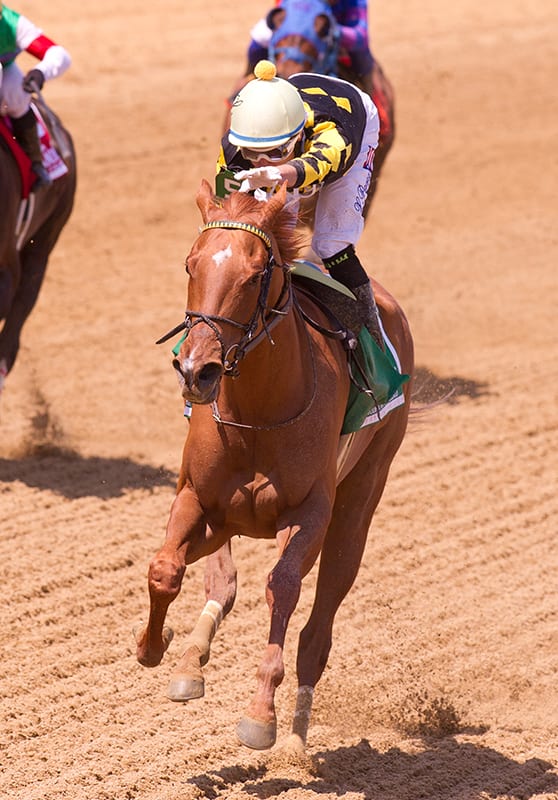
column 243, row 207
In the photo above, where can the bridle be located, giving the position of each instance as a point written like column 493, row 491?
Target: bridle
column 296, row 23
column 232, row 355
column 269, row 318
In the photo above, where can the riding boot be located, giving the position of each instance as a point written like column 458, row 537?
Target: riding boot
column 368, row 311
column 25, row 131
column 346, row 268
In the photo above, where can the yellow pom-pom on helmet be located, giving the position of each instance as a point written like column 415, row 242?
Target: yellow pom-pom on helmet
column 265, row 70
column 267, row 112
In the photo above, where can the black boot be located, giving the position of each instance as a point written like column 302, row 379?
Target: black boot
column 25, row 132
column 368, row 311
column 346, row 268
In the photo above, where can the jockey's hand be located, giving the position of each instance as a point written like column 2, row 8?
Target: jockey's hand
column 34, row 81
column 258, row 178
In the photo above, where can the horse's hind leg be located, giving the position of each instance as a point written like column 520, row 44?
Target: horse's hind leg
column 300, row 543
column 187, row 681
column 356, row 501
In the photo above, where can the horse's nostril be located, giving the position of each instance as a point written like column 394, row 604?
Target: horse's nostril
column 176, row 365
column 209, row 374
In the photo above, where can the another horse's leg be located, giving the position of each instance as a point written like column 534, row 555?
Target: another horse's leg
column 33, row 262
column 166, row 571
column 355, row 503
column 186, row 681
column 300, row 545
column 6, row 297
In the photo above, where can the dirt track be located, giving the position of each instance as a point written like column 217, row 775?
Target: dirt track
column 443, row 674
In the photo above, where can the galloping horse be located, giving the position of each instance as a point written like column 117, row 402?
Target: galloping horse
column 24, row 255
column 268, row 394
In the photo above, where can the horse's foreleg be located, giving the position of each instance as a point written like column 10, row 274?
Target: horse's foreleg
column 301, row 546
column 187, row 681
column 166, row 571
column 355, row 503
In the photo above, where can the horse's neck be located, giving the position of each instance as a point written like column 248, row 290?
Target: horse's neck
column 273, row 375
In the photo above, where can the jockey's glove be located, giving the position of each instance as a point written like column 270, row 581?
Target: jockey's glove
column 258, row 178
column 33, row 81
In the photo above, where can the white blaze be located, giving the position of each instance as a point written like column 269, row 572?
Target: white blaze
column 222, row 255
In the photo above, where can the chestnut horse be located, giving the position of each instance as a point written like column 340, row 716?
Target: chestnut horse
column 24, row 257
column 268, row 393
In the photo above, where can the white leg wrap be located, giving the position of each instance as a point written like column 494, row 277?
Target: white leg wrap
column 214, row 610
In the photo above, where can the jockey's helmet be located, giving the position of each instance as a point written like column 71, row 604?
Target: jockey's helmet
column 267, row 112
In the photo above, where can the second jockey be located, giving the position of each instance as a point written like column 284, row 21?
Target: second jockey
column 17, row 33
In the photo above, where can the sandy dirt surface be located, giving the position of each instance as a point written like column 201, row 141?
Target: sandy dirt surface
column 442, row 681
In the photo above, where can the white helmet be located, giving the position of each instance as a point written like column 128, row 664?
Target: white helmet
column 267, row 112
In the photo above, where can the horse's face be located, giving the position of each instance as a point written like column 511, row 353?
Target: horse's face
column 304, row 52
column 301, row 39
column 225, row 271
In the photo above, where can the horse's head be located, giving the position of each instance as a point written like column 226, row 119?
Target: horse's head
column 237, row 286
column 304, row 37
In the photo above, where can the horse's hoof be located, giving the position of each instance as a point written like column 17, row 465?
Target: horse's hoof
column 255, row 734
column 294, row 746
column 183, row 688
column 148, row 659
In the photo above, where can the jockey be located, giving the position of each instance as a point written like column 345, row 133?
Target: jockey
column 17, row 33
column 352, row 24
column 318, row 134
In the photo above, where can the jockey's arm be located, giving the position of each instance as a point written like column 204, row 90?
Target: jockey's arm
column 328, row 152
column 54, row 59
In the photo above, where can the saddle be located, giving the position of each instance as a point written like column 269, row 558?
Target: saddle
column 376, row 377
column 52, row 159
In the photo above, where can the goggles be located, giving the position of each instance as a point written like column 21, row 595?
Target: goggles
column 274, row 155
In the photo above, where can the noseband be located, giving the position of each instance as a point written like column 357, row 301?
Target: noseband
column 269, row 317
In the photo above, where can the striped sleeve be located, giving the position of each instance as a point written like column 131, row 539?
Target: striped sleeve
column 327, row 155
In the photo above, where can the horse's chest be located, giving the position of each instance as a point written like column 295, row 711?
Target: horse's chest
column 248, row 505
column 259, row 498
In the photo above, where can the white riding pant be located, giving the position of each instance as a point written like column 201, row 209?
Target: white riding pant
column 338, row 220
column 14, row 101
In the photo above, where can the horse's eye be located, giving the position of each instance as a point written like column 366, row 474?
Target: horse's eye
column 186, row 269
column 255, row 279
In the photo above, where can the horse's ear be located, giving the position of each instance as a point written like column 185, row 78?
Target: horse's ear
column 322, row 24
column 205, row 199
column 275, row 18
column 275, row 204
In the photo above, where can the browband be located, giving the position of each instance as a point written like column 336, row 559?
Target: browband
column 241, row 226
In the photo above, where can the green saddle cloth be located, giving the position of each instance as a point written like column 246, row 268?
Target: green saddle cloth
column 383, row 377
column 381, row 383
